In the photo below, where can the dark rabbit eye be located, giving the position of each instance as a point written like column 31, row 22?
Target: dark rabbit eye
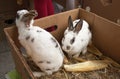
column 72, row 40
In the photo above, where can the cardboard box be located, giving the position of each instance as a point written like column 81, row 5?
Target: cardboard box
column 106, row 36
column 106, row 8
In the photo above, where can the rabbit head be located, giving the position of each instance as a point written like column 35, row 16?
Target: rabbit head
column 24, row 18
column 76, row 36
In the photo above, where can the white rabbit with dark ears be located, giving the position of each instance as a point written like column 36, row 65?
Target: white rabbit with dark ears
column 76, row 38
column 40, row 45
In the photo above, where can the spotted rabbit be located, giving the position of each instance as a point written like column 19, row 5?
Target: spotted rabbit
column 40, row 45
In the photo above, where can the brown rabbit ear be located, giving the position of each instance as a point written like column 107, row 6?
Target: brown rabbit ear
column 70, row 24
column 27, row 18
column 78, row 26
column 34, row 12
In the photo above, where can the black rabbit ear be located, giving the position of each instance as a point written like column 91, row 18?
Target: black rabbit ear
column 78, row 26
column 70, row 24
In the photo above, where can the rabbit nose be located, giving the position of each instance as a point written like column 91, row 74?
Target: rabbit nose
column 68, row 47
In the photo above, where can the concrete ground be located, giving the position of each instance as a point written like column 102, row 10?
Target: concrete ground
column 6, row 61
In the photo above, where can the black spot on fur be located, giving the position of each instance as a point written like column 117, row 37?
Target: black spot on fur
column 82, row 40
column 27, row 38
column 48, row 62
column 32, row 40
column 56, row 45
column 39, row 31
column 55, row 42
column 40, row 61
column 48, row 69
column 72, row 40
column 28, row 28
column 34, row 67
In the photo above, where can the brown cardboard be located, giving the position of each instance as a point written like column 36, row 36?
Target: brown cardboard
column 106, row 36
column 106, row 8
column 20, row 62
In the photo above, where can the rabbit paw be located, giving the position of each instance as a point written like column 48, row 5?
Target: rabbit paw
column 84, row 51
column 38, row 74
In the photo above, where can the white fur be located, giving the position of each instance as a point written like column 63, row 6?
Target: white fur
column 78, row 46
column 42, row 49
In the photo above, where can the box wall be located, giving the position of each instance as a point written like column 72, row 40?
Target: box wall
column 110, row 11
column 107, row 37
column 19, row 60
column 106, row 34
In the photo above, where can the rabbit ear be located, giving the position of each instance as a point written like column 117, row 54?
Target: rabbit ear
column 70, row 24
column 28, row 17
column 34, row 12
column 78, row 26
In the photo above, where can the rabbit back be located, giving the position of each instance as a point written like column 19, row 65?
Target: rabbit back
column 43, row 48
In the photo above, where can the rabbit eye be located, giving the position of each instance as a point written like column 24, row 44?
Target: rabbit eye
column 72, row 40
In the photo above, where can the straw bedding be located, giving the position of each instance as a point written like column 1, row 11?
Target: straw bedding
column 112, row 71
